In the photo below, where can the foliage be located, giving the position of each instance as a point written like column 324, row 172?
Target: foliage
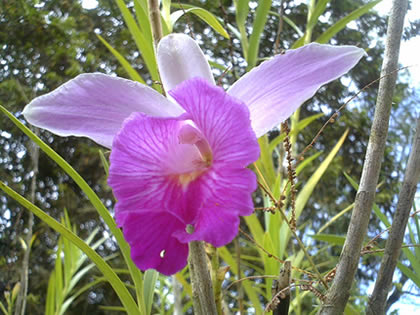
column 54, row 41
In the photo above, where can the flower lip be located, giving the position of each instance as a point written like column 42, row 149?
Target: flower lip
column 189, row 134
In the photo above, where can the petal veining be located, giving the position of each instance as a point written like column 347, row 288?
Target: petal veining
column 95, row 105
column 223, row 120
column 276, row 88
column 150, row 168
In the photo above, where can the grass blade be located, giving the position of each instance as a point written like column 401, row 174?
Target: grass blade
column 94, row 199
column 330, row 32
column 258, row 26
column 132, row 73
column 107, row 271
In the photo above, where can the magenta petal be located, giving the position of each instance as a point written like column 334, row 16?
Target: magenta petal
column 276, row 88
column 223, row 120
column 149, row 234
column 95, row 105
column 226, row 195
column 180, row 59
column 147, row 160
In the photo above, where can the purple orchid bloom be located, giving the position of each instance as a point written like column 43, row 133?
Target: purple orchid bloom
column 178, row 164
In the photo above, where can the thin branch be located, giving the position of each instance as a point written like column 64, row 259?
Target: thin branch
column 339, row 292
column 301, row 245
column 377, row 301
column 279, row 29
column 309, row 274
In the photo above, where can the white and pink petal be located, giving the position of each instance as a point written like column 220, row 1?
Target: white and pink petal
column 180, row 58
column 276, row 88
column 94, row 105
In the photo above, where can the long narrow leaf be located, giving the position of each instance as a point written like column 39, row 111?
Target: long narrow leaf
column 145, row 47
column 204, row 15
column 330, row 32
column 318, row 10
column 150, row 277
column 107, row 271
column 242, row 9
column 133, row 74
column 94, row 199
column 257, row 28
column 303, row 196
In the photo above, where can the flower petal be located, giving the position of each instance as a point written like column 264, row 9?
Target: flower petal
column 150, row 168
column 276, row 88
column 179, row 59
column 149, row 234
column 95, row 105
column 226, row 194
column 223, row 120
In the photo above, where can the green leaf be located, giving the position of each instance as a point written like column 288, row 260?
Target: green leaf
column 271, row 266
column 317, row 12
column 329, row 238
column 3, row 308
column 50, row 300
column 166, row 11
column 150, row 277
column 104, row 162
column 143, row 20
column 94, row 199
column 336, row 217
column 306, row 162
column 409, row 273
column 132, row 73
column 290, row 22
column 145, row 47
column 59, row 274
column 257, row 28
column 107, row 271
column 304, row 194
column 265, row 162
column 204, row 15
column 376, row 209
column 242, row 9
column 300, row 126
column 330, row 32
column 250, row 290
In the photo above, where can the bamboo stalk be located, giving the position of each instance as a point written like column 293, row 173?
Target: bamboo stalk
column 338, row 294
column 203, row 296
column 155, row 20
column 377, row 301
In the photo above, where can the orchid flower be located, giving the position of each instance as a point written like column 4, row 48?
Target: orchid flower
column 178, row 165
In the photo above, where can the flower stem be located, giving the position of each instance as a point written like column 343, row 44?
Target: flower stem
column 155, row 20
column 202, row 288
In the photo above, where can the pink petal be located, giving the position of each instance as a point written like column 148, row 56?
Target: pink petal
column 226, row 194
column 179, row 59
column 147, row 164
column 223, row 120
column 275, row 89
column 95, row 105
column 149, row 234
